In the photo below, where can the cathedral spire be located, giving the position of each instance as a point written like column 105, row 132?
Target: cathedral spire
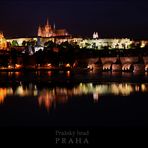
column 47, row 22
column 54, row 26
column 39, row 31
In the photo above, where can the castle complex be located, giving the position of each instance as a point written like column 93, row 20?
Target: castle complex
column 49, row 31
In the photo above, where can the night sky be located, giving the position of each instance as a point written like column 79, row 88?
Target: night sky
column 110, row 18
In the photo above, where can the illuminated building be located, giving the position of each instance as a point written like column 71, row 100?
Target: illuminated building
column 48, row 31
column 143, row 43
column 21, row 40
column 95, row 35
column 102, row 43
column 81, row 42
column 3, row 42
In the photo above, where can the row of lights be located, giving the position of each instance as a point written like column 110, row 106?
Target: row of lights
column 108, row 67
column 18, row 66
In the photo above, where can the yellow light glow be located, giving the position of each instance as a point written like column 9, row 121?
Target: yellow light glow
column 68, row 65
column 3, row 93
column 17, row 73
column 3, row 42
column 18, row 66
column 143, row 44
column 143, row 87
column 46, row 98
column 68, row 73
column 137, row 88
column 49, row 65
column 9, row 66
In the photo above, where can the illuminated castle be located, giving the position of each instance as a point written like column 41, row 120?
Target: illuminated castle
column 48, row 31
column 3, row 42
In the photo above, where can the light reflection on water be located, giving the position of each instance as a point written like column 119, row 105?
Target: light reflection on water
column 50, row 96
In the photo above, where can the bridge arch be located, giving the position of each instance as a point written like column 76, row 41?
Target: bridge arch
column 127, row 67
column 107, row 67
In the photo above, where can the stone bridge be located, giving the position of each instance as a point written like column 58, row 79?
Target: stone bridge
column 117, row 64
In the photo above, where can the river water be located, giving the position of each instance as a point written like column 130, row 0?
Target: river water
column 61, row 99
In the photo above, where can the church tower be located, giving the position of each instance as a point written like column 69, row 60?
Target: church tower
column 48, row 29
column 95, row 35
column 47, row 23
column 39, row 31
column 54, row 26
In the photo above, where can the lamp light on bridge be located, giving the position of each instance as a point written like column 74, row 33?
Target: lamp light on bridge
column 67, row 65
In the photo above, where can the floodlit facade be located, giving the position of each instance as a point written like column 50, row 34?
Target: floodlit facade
column 143, row 43
column 21, row 40
column 3, row 42
column 97, row 44
column 102, row 43
column 95, row 35
column 49, row 31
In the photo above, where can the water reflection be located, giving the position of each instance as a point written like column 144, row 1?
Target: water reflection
column 48, row 97
column 95, row 97
column 3, row 94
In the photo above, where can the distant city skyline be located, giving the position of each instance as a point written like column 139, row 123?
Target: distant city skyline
column 109, row 18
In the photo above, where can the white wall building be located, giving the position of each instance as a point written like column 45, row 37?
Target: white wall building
column 101, row 43
column 123, row 43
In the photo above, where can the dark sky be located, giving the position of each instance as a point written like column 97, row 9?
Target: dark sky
column 110, row 18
